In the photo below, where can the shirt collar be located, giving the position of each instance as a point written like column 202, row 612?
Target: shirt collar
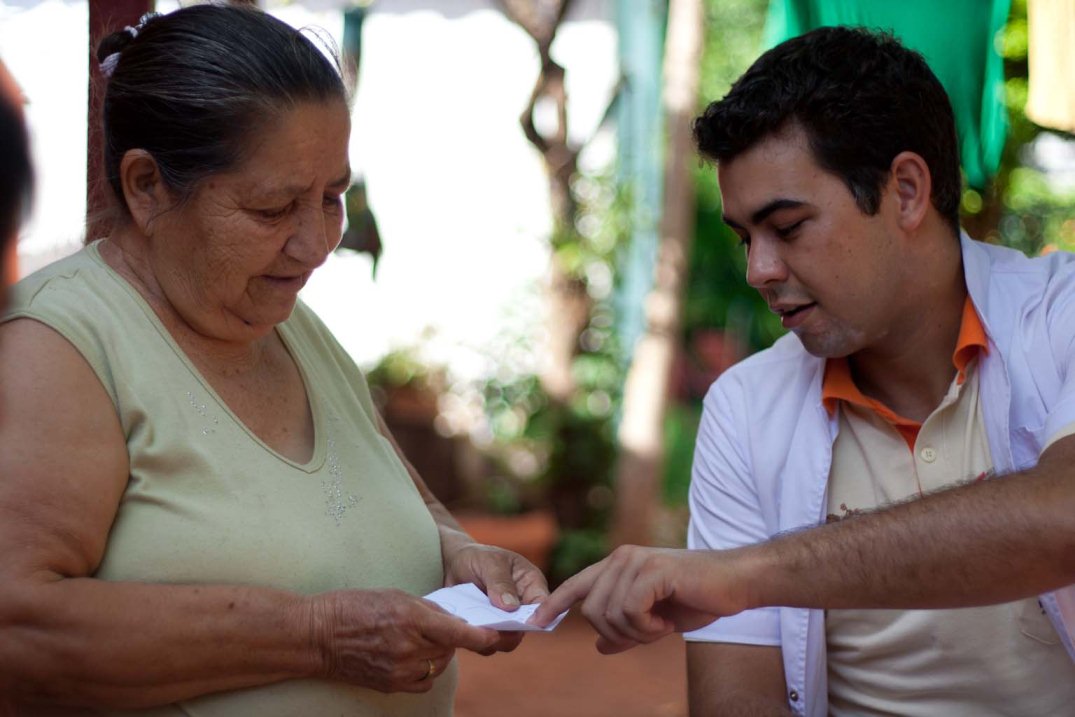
column 838, row 385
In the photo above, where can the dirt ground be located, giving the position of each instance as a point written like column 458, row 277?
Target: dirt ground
column 561, row 674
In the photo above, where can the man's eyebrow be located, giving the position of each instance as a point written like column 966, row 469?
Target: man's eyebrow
column 760, row 215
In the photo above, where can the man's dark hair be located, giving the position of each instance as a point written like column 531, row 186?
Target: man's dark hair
column 193, row 86
column 860, row 97
column 16, row 174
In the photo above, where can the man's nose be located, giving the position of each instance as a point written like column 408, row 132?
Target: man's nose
column 764, row 264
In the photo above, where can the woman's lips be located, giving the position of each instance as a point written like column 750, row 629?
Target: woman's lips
column 294, row 283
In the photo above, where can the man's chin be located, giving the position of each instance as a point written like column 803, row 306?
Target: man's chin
column 826, row 347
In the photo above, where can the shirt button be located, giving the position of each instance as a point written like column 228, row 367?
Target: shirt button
column 928, row 455
column 793, row 696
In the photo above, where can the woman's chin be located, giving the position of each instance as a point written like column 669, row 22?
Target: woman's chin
column 262, row 319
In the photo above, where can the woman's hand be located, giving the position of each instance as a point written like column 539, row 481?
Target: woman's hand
column 507, row 578
column 389, row 640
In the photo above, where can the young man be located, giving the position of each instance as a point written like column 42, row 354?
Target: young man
column 920, row 364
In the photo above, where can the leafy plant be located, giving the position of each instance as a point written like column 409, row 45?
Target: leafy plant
column 1021, row 208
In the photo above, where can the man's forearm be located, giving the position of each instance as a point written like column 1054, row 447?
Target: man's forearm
column 978, row 544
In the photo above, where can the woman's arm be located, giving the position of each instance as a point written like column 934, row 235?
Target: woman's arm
column 70, row 639
column 508, row 578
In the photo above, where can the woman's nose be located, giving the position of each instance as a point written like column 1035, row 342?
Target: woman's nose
column 310, row 243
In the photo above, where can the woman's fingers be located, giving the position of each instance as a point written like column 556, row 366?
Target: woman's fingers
column 508, row 641
column 530, row 581
column 443, row 629
column 386, row 639
column 506, row 577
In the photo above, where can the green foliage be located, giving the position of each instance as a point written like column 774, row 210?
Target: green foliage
column 1036, row 216
column 587, row 250
column 576, row 550
column 680, row 430
column 511, row 406
column 1013, row 39
column 1021, row 209
column 403, row 367
column 732, row 42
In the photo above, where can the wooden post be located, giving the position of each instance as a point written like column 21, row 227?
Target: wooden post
column 645, row 396
column 106, row 16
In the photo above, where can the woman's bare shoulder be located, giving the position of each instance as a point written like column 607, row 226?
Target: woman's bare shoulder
column 62, row 453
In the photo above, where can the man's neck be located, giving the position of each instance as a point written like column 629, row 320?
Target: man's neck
column 912, row 373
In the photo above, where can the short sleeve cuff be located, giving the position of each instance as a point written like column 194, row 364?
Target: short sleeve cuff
column 753, row 627
column 1063, row 432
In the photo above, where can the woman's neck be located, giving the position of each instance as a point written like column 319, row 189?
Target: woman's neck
column 126, row 253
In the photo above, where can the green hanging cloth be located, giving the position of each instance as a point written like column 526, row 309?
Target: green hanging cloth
column 957, row 39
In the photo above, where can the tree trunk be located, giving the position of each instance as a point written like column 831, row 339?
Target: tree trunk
column 568, row 303
column 645, row 402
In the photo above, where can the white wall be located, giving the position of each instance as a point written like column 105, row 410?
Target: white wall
column 459, row 194
column 45, row 46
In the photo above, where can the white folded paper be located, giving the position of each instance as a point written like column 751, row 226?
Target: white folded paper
column 472, row 605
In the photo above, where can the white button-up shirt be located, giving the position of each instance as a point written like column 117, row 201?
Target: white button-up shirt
column 764, row 447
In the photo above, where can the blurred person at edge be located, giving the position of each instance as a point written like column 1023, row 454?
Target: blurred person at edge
column 201, row 512
column 16, row 176
column 919, row 364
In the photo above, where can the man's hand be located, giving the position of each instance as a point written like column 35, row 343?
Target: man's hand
column 638, row 595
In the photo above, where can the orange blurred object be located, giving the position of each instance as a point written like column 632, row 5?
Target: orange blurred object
column 531, row 535
column 11, row 269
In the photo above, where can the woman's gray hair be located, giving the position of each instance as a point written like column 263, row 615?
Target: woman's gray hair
column 193, row 86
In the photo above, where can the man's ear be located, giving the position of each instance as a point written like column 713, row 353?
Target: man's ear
column 913, row 186
column 143, row 187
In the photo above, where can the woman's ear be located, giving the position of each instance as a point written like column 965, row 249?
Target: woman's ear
column 913, row 186
column 143, row 188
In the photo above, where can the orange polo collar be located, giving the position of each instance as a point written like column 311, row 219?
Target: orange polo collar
column 837, row 384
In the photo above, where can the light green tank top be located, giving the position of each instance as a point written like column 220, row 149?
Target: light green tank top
column 208, row 502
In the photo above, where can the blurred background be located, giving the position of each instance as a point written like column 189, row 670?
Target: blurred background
column 534, row 273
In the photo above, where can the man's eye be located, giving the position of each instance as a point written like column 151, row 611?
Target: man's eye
column 786, row 231
column 332, row 201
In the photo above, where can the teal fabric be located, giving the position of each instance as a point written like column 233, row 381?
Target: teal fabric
column 957, row 39
column 640, row 165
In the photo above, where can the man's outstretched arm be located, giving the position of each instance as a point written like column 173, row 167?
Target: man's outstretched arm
column 977, row 544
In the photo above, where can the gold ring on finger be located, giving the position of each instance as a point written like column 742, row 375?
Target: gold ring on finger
column 429, row 671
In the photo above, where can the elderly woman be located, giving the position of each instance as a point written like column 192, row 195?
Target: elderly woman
column 200, row 511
